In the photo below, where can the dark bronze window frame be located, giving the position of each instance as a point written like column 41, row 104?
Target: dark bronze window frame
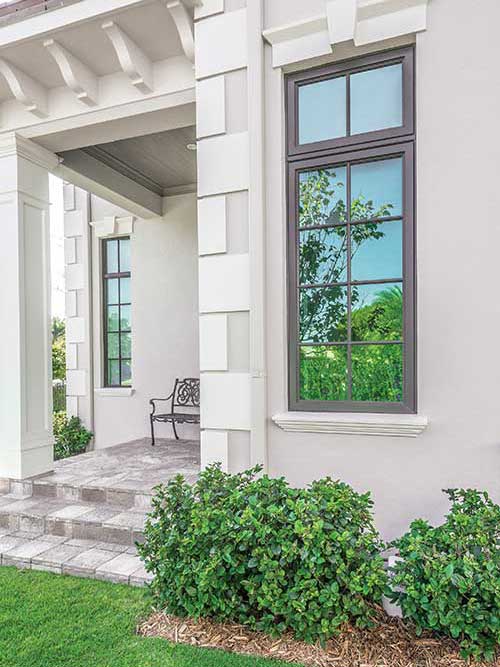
column 106, row 277
column 381, row 144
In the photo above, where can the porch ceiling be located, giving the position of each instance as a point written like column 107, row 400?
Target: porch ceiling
column 161, row 161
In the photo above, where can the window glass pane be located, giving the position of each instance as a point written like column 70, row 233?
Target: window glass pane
column 323, row 373
column 124, row 255
column 112, row 290
column 113, row 346
column 126, row 372
column 377, row 99
column 113, row 373
column 377, row 312
column 124, row 290
column 377, row 251
column 377, row 189
column 126, row 345
column 323, row 315
column 112, row 256
column 322, row 199
column 323, row 256
column 377, row 373
column 322, row 110
column 125, row 319
column 113, row 318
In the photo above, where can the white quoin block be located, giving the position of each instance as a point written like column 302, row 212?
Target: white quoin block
column 215, row 449
column 208, row 8
column 226, row 401
column 76, row 383
column 212, row 225
column 71, row 356
column 75, row 330
column 221, row 44
column 71, row 304
column 70, row 251
column 210, row 107
column 223, row 164
column 74, row 276
column 224, row 283
column 213, row 343
column 73, row 224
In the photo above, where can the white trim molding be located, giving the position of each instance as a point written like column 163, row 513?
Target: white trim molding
column 114, row 392
column 396, row 425
column 361, row 21
column 113, row 226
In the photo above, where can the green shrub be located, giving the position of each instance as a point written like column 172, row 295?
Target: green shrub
column 71, row 437
column 253, row 550
column 449, row 576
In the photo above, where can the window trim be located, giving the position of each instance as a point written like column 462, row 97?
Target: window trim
column 335, row 152
column 105, row 277
column 405, row 56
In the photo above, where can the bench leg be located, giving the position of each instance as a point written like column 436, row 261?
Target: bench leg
column 152, row 431
column 175, row 431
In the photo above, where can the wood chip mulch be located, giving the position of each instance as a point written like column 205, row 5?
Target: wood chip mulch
column 391, row 643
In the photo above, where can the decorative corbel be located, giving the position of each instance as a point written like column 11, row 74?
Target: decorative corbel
column 133, row 60
column 31, row 93
column 78, row 77
column 184, row 24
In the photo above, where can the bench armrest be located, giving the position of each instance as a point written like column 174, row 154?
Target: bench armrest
column 153, row 401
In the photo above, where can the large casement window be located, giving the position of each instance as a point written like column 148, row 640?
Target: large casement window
column 351, row 236
column 117, row 305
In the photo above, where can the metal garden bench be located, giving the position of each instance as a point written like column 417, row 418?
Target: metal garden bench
column 185, row 396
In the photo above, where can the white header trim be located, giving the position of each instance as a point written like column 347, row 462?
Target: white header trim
column 361, row 21
column 408, row 426
column 113, row 226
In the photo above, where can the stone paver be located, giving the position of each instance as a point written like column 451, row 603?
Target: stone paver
column 85, row 517
column 118, row 569
column 21, row 555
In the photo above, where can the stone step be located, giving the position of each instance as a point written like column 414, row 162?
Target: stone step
column 60, row 517
column 81, row 558
column 81, row 491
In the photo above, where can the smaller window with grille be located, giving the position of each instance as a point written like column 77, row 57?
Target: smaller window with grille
column 117, row 312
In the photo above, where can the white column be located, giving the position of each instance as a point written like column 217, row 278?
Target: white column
column 230, row 222
column 25, row 333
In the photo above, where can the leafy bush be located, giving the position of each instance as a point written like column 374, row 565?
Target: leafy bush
column 256, row 551
column 71, row 437
column 450, row 575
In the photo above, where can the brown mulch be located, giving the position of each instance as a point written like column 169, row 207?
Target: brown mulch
column 391, row 643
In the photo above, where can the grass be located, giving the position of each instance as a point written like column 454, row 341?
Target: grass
column 49, row 620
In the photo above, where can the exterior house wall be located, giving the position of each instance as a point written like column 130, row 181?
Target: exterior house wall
column 458, row 97
column 164, row 319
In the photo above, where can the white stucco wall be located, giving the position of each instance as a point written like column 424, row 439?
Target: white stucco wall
column 458, row 97
column 164, row 319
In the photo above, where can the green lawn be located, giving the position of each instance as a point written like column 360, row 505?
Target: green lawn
column 49, row 620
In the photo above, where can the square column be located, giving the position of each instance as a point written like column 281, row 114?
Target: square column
column 231, row 198
column 26, row 438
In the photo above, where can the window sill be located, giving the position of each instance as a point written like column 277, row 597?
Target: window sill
column 114, row 391
column 406, row 426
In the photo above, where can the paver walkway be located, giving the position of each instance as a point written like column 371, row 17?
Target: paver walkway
column 85, row 517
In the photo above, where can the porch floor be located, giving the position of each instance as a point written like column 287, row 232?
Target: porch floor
column 134, row 466
column 86, row 516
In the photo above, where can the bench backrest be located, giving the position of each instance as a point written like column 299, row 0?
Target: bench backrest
column 186, row 393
